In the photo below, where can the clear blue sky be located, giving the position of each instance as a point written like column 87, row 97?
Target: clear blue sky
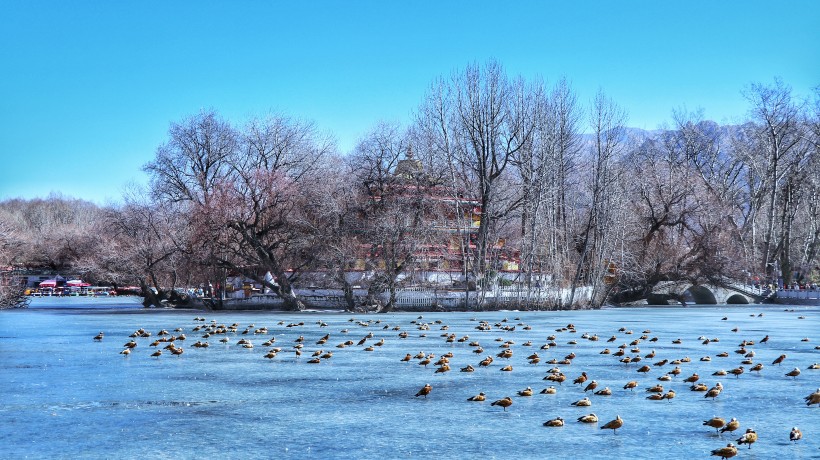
column 88, row 88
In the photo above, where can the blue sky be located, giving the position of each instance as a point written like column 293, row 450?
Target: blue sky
column 89, row 89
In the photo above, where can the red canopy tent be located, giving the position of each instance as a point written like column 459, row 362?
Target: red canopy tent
column 48, row 283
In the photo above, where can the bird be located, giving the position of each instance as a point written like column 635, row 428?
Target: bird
column 589, row 418
column 99, row 336
column 425, row 390
column 757, row 367
column 549, row 391
column 725, row 452
column 699, row 387
column 556, row 378
column 670, row 395
column 525, row 392
column 737, row 371
column 813, row 398
column 556, row 422
column 592, row 385
column 604, row 392
column 795, row 435
column 582, row 402
column 156, row 353
column 779, row 359
column 676, row 371
column 715, row 422
column 749, row 437
column 692, row 378
column 793, row 373
column 581, row 378
column 504, row 403
column 731, row 426
column 655, row 389
column 126, row 352
column 714, row 391
column 614, row 424
column 631, row 385
column 479, row 397
column 468, row 368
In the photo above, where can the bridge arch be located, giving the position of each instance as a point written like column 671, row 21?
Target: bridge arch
column 700, row 295
column 737, row 299
column 704, row 294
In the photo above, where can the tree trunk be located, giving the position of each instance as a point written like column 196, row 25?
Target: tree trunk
column 12, row 294
column 350, row 300
column 149, row 297
column 291, row 300
column 391, row 302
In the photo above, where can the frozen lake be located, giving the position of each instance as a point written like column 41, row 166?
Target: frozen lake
column 67, row 396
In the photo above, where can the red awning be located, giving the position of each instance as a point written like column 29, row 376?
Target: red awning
column 48, row 283
column 77, row 283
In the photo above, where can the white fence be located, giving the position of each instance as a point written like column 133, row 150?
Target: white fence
column 800, row 294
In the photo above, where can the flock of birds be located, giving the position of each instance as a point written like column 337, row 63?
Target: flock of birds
column 628, row 353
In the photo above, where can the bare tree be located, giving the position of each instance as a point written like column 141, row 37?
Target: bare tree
column 775, row 151
column 194, row 161
column 11, row 292
column 595, row 241
column 397, row 214
column 546, row 165
column 259, row 221
column 811, row 219
column 481, row 119
column 148, row 244
column 337, row 207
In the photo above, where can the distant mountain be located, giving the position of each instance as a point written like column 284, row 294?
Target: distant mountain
column 639, row 136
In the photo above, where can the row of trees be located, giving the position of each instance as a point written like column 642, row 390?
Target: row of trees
column 492, row 166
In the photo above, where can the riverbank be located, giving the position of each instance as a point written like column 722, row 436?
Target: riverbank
column 274, row 305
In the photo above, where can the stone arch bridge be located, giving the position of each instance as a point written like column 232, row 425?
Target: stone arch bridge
column 674, row 292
